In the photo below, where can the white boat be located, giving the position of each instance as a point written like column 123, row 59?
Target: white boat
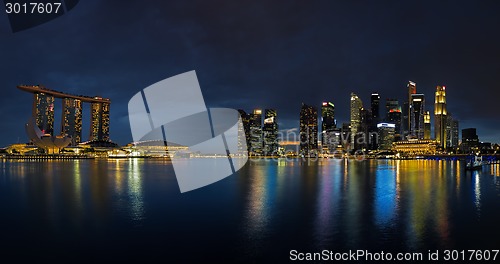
column 474, row 164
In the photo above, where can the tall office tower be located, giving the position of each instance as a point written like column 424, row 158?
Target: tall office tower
column 386, row 133
column 470, row 140
column 373, row 120
column 417, row 116
column 367, row 133
column 72, row 119
column 454, row 133
column 395, row 117
column 427, row 125
column 449, row 121
column 99, row 123
column 451, row 131
column 308, row 130
column 328, row 124
column 356, row 106
column 43, row 112
column 440, row 114
column 405, row 129
column 391, row 104
column 244, row 129
column 270, row 130
column 375, row 106
column 346, row 135
column 412, row 89
column 256, row 141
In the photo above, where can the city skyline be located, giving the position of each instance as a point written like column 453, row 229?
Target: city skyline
column 259, row 121
column 323, row 52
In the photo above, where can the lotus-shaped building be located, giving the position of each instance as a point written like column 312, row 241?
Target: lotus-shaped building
column 51, row 144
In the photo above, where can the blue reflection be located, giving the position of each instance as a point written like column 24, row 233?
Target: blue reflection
column 385, row 195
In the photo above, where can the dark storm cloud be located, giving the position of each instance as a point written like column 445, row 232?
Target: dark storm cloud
column 249, row 54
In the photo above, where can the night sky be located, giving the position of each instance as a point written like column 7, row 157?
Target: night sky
column 250, row 54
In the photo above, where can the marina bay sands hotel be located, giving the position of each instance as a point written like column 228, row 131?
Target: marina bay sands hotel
column 71, row 125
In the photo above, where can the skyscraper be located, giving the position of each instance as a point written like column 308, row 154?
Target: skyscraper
column 386, row 135
column 356, row 106
column 72, row 119
column 244, row 129
column 440, row 114
column 470, row 140
column 405, row 124
column 412, row 89
column 417, row 116
column 328, row 124
column 395, row 117
column 366, row 137
column 451, row 131
column 346, row 135
column 43, row 112
column 391, row 104
column 256, row 141
column 308, row 131
column 99, row 123
column 270, row 130
column 427, row 125
column 454, row 133
column 375, row 106
column 71, row 123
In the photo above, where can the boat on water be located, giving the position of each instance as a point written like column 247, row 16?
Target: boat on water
column 476, row 163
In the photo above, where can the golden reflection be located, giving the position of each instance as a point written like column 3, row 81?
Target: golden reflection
column 77, row 184
column 135, row 190
column 427, row 195
column 495, row 169
column 257, row 209
column 119, row 182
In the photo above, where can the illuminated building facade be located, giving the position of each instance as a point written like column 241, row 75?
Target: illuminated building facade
column 386, row 132
column 71, row 123
column 256, row 142
column 391, row 104
column 454, row 133
column 375, row 106
column 394, row 116
column 72, row 119
column 415, row 147
column 308, row 131
column 412, row 89
column 43, row 112
column 417, row 116
column 346, row 135
column 451, row 132
column 244, row 129
column 356, row 106
column 99, row 123
column 328, row 124
column 427, row 125
column 440, row 116
column 270, row 130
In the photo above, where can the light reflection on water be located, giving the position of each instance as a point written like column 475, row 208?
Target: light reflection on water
column 275, row 205
column 406, row 202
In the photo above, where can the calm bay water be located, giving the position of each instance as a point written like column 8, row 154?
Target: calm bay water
column 132, row 209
